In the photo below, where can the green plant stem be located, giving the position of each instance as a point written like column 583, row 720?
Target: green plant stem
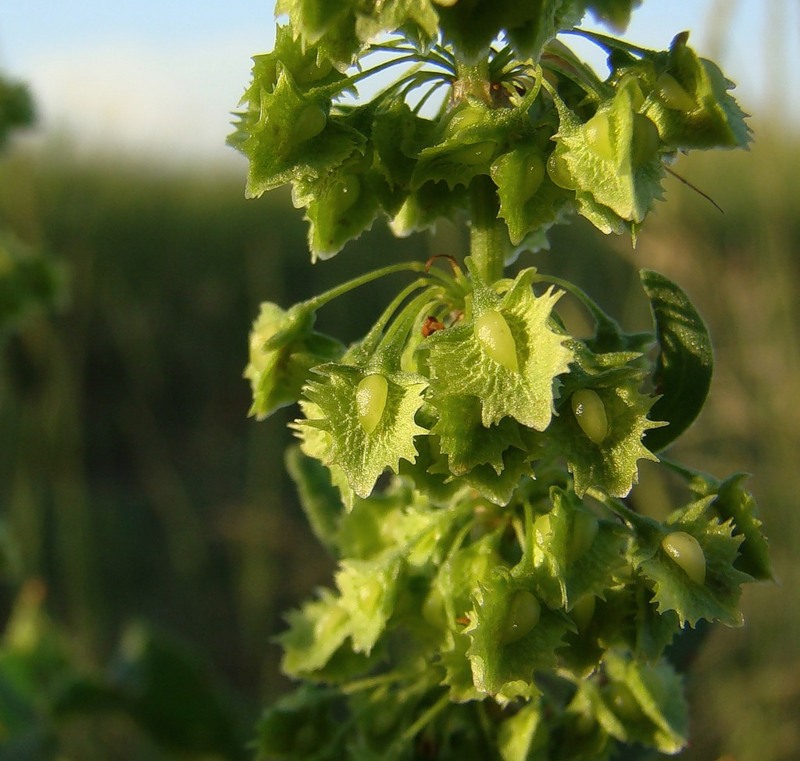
column 319, row 301
column 488, row 240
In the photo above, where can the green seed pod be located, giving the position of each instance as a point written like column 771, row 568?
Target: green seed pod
column 312, row 71
column 371, row 396
column 584, row 530
column 342, row 195
column 637, row 96
column 645, row 141
column 590, row 412
column 464, row 118
column 622, row 702
column 494, row 335
column 583, row 611
column 687, row 553
column 370, row 591
column 309, row 123
column 531, row 176
column 598, row 136
column 673, row 94
column 523, row 615
column 559, row 172
column 477, row 153
column 521, row 169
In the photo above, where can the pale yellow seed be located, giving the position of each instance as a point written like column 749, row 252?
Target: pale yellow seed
column 645, row 141
column 371, row 396
column 494, row 335
column 477, row 153
column 687, row 553
column 674, row 94
column 309, row 123
column 584, row 530
column 598, row 136
column 623, row 703
column 463, row 119
column 583, row 611
column 590, row 412
column 523, row 615
column 558, row 170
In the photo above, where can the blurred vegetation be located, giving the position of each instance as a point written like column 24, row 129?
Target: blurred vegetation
column 143, row 513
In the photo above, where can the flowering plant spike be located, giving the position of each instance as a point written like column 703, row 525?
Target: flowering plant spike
column 468, row 461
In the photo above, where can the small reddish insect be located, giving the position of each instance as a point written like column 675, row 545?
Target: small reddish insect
column 431, row 325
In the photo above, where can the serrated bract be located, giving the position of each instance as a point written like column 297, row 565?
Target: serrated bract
column 283, row 349
column 610, row 464
column 717, row 598
column 609, row 160
column 460, row 365
column 360, row 455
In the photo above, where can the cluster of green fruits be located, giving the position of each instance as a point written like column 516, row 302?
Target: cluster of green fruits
column 500, row 565
column 469, row 461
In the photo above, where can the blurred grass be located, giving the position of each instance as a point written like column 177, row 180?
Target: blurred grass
column 132, row 483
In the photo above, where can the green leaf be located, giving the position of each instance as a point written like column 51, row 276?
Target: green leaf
column 582, row 736
column 460, row 364
column 463, row 572
column 454, row 161
column 472, row 135
column 449, row 604
column 340, row 29
column 364, row 456
column 420, row 15
column 306, row 67
column 685, row 363
column 326, row 25
column 430, row 473
column 366, row 530
column 283, row 349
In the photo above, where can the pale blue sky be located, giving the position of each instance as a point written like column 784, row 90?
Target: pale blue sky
column 162, row 76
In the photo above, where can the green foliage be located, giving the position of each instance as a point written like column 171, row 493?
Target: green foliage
column 29, row 282
column 155, row 691
column 16, row 108
column 496, row 584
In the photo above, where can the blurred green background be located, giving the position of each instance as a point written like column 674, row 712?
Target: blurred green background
column 145, row 517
